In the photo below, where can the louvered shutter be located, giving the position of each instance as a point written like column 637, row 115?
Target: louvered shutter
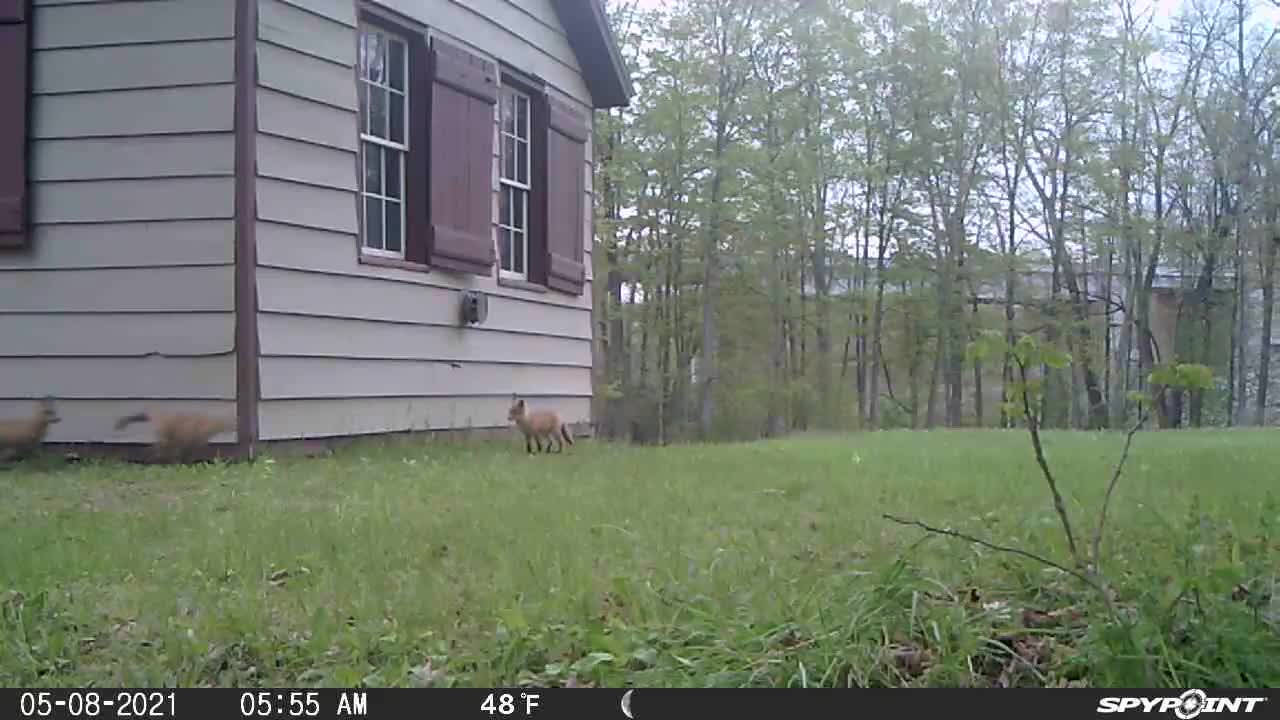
column 14, row 98
column 464, row 91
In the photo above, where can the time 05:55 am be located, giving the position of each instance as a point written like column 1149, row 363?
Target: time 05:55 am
column 264, row 703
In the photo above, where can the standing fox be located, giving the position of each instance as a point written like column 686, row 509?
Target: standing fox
column 20, row 437
column 537, row 425
column 179, row 433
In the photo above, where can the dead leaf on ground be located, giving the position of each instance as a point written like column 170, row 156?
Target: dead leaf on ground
column 1030, row 656
column 1032, row 618
column 425, row 676
column 910, row 661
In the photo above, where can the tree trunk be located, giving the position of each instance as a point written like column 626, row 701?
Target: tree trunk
column 877, row 349
column 710, row 292
column 775, row 423
column 935, row 377
column 978, row 413
column 1268, row 308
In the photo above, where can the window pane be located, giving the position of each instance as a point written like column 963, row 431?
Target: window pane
column 364, row 107
column 517, row 252
column 392, row 159
column 364, row 53
column 373, row 223
column 394, row 241
column 518, row 209
column 522, row 117
column 508, row 115
column 377, row 58
column 504, row 205
column 522, row 162
column 372, row 168
column 378, row 112
column 508, row 158
column 397, row 118
column 504, row 248
column 396, row 61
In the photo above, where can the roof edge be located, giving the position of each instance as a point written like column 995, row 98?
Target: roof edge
column 596, row 47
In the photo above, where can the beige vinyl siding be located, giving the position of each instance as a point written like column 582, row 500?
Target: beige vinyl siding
column 504, row 30
column 83, row 420
column 126, row 296
column 304, row 336
column 297, row 419
column 116, row 335
column 122, row 378
column 350, row 348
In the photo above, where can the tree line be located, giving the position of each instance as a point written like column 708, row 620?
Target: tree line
column 812, row 209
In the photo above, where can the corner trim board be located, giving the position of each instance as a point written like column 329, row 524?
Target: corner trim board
column 248, row 390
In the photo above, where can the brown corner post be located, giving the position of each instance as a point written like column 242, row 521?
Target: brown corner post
column 246, row 211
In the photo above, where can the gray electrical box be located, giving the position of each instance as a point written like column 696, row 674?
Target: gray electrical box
column 475, row 307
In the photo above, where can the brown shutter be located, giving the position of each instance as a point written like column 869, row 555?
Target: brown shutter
column 417, row 175
column 566, row 140
column 14, row 98
column 464, row 91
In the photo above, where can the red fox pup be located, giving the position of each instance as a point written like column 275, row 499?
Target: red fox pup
column 19, row 437
column 539, row 424
column 179, row 433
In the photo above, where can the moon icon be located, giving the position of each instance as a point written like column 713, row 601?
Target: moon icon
column 626, row 704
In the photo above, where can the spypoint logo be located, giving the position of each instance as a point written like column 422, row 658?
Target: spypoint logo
column 1186, row 706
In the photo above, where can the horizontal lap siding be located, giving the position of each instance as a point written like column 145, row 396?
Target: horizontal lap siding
column 285, row 378
column 351, row 348
column 126, row 295
column 92, row 421
column 296, row 419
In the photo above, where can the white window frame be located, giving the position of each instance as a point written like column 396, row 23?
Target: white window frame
column 384, row 145
column 512, row 185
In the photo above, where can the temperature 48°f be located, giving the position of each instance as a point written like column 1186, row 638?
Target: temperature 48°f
column 506, row 704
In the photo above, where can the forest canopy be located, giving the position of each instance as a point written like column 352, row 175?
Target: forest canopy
column 812, row 210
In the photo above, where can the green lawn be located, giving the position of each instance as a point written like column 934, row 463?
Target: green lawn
column 730, row 565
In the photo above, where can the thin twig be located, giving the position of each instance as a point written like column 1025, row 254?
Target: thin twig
column 1115, row 478
column 1034, row 426
column 993, row 546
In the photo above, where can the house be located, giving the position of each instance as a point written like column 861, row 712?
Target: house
column 279, row 209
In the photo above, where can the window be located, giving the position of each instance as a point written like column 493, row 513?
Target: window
column 427, row 146
column 384, row 139
column 515, row 184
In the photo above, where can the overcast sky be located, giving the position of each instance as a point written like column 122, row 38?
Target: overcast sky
column 1263, row 11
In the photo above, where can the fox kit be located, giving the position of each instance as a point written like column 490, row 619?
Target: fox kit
column 539, row 424
column 179, row 433
column 20, row 437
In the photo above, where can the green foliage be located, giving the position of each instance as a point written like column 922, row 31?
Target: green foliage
column 1187, row 376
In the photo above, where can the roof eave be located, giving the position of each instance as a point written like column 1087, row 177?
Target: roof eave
column 596, row 47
